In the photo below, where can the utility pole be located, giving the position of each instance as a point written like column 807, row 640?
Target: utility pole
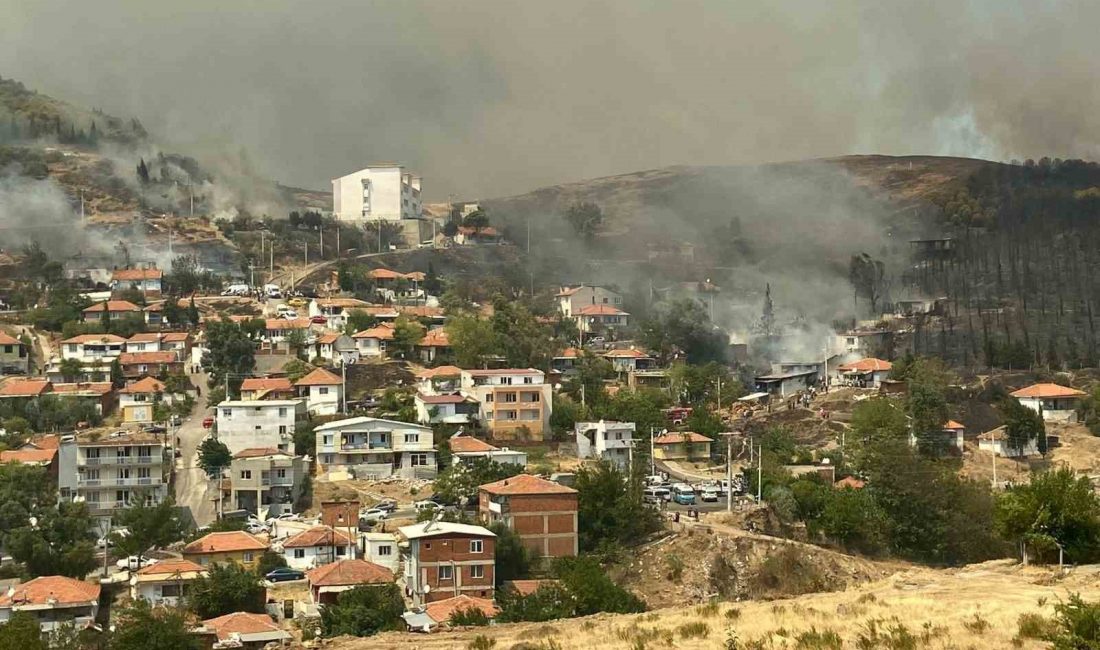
column 106, row 543
column 271, row 271
column 251, row 273
column 719, row 396
column 321, row 245
column 760, row 474
column 729, row 470
column 191, row 191
column 380, row 235
column 337, row 241
column 82, row 217
column 305, row 251
column 993, row 435
column 652, row 459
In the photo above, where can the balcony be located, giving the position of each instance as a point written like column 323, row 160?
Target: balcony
column 286, row 481
column 132, row 481
column 618, row 444
column 122, row 460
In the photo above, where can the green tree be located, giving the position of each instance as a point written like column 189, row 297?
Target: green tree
column 22, row 632
column 214, row 456
column 477, row 220
column 407, row 332
column 854, row 520
column 644, row 407
column 521, row 339
column 586, row 219
column 296, row 341
column 470, row 617
column 305, row 439
column 874, row 421
column 591, row 591
column 359, row 320
column 71, row 369
column 547, row 603
column 363, row 611
column 1022, row 425
column 295, row 369
column 269, row 561
column 230, row 351
column 473, row 340
column 460, row 481
column 926, row 403
column 684, row 327
column 1056, row 508
column 151, row 526
column 513, row 559
column 228, row 588
column 1078, row 625
column 57, row 542
column 118, row 379
column 140, row 627
column 610, row 509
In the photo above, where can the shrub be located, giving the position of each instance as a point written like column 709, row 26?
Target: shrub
column 787, row 573
column 708, row 610
column 482, row 642
column 697, row 629
column 675, row 565
column 469, row 617
column 881, row 634
column 812, row 639
column 1077, row 624
column 1035, row 626
column 976, row 625
column 733, row 614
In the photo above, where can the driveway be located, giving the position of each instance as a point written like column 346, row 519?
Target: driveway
column 194, row 491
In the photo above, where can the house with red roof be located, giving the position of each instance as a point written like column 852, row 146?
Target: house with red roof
column 37, row 452
column 446, row 559
column 437, row 614
column 434, row 346
column 327, row 581
column 594, row 319
column 1056, row 403
column 543, row 513
column 317, row 546
column 157, row 364
column 630, row 360
column 682, row 445
column 219, row 548
column 165, row 583
column 336, row 311
column 330, row 345
column 138, row 399
column 15, row 358
column 465, row 447
column 572, row 299
column 145, row 280
column 53, row 600
column 449, row 408
column 323, row 392
column 372, row 342
column 115, row 309
column 257, row 388
column 865, row 373
column 245, row 630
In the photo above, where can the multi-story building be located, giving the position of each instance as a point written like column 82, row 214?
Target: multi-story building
column 379, row 192
column 452, row 408
column 381, row 549
column 115, row 309
column 267, row 482
column 336, row 310
column 108, row 472
column 446, row 559
column 543, row 513
column 371, row 342
column 600, row 318
column 604, row 440
column 142, row 364
column 54, row 601
column 375, row 448
column 573, row 299
column 515, row 403
column 137, row 400
column 14, row 356
column 322, row 392
column 93, row 348
column 244, row 424
column 257, row 388
column 144, row 342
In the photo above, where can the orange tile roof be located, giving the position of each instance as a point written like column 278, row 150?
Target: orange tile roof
column 441, row 399
column 171, row 567
column 24, row 388
column 267, row 384
column 469, row 445
column 601, row 310
column 353, row 303
column 319, row 377
column 244, row 624
column 850, row 482
column 675, row 437
column 175, row 337
column 137, row 274
column 626, row 354
column 952, row 424
column 349, row 572
column 503, row 371
column 441, row 611
column 328, row 338
column 1048, row 391
column 441, row 371
column 569, row 353
column 113, row 306
column 527, row 587
column 526, row 484
column 870, row 364
column 130, row 358
column 420, row 311
column 384, row 274
column 317, row 536
column 95, row 338
column 65, row 591
column 259, row 452
column 383, row 332
column 227, row 542
column 286, row 324
column 6, row 339
column 435, row 338
column 416, row 276
column 144, row 386
column 98, row 388
column 29, row 456
column 144, row 337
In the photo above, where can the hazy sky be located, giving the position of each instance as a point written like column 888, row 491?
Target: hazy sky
column 488, row 98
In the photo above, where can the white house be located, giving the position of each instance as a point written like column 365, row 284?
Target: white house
column 93, row 348
column 137, row 400
column 630, row 360
column 465, row 448
column 372, row 342
column 953, row 435
column 375, row 448
column 147, row 281
column 246, row 424
column 330, row 346
column 381, row 548
column 865, row 373
column 322, row 391
column 1055, row 403
column 109, row 472
column 996, row 441
column 336, row 311
column 54, row 600
column 573, row 299
column 596, row 318
column 451, row 408
column 606, row 440
column 863, row 342
column 166, row 582
column 316, row 546
column 267, row 482
column 277, row 330
column 379, row 192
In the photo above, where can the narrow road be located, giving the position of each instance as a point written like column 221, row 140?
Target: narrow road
column 194, row 491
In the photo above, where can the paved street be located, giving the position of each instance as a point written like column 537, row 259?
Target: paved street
column 194, row 491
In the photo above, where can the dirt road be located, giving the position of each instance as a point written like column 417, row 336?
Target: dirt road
column 194, row 491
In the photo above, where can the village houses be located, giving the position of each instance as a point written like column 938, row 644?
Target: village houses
column 245, row 424
column 447, row 559
column 14, row 356
column 267, row 482
column 606, row 440
column 111, row 472
column 219, row 548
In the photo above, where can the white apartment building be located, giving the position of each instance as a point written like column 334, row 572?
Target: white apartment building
column 606, row 440
column 110, row 471
column 95, row 351
column 573, row 299
column 248, row 424
column 513, row 402
column 379, row 192
column 267, row 482
column 375, row 448
column 322, row 391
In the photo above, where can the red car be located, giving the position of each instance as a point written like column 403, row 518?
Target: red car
column 207, row 422
column 318, row 320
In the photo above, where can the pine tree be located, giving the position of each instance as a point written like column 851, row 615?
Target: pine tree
column 143, row 172
column 193, row 313
column 767, row 317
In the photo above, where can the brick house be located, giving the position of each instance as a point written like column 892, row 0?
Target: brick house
column 447, row 559
column 542, row 512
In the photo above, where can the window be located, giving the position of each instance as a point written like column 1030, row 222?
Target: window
column 509, row 397
column 227, row 413
column 171, row 591
column 280, row 473
column 247, row 556
column 506, row 381
column 143, row 472
column 419, row 460
column 477, row 546
column 489, row 398
column 93, row 497
column 299, row 553
column 92, row 452
column 322, row 390
column 341, row 550
column 528, row 380
column 412, row 438
column 8, row 349
column 328, row 459
column 446, row 572
column 427, row 546
column 282, row 411
column 91, row 475
column 246, row 475
column 385, row 550
column 282, row 429
column 477, row 571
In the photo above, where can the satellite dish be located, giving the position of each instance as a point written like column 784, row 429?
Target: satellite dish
column 427, row 588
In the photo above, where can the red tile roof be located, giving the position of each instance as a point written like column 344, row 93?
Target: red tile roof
column 469, row 445
column 441, row 399
column 569, row 353
column 383, row 332
column 131, row 358
column 328, row 338
column 870, row 364
column 626, row 354
column 1048, row 391
column 676, row 437
column 175, row 337
column 113, row 306
column 95, row 338
column 97, row 388
column 317, row 536
column 527, row 587
column 384, row 274
column 243, row 624
column 6, row 339
column 65, row 591
column 526, row 484
column 951, row 424
column 259, row 452
column 601, row 310
column 319, row 377
column 24, row 388
column 137, row 274
column 420, row 311
column 171, row 567
column 349, row 572
column 144, row 337
column 266, row 384
column 227, row 542
column 850, row 482
column 435, row 338
column 416, row 276
column 144, row 386
column 441, row 371
column 286, row 324
column 28, row 456
column 441, row 611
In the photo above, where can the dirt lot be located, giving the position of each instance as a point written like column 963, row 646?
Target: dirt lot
column 369, row 492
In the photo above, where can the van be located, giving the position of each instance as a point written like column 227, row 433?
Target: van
column 709, row 493
column 655, row 494
column 683, row 494
column 236, row 290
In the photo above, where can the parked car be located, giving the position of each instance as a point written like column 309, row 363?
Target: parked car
column 155, row 428
column 286, row 516
column 256, row 528
column 208, row 422
column 389, row 505
column 318, row 320
column 373, row 515
column 108, row 541
column 428, row 505
column 297, row 302
column 284, row 574
column 709, row 493
column 135, row 562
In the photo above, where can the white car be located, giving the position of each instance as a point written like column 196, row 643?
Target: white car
column 107, row 541
column 135, row 562
column 286, row 516
column 256, row 528
column 427, row 504
column 373, row 515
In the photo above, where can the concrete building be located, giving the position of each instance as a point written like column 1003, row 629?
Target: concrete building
column 996, row 442
column 381, row 549
column 451, row 408
column 515, row 403
column 572, row 299
column 165, row 583
column 257, row 388
column 137, row 400
column 245, row 424
column 322, row 391
column 14, row 356
column 600, row 318
column 318, row 546
column 336, row 310
column 116, row 309
column 447, row 559
column 603, row 440
column 219, row 548
column 326, row 582
column 142, row 364
column 267, row 482
column 543, row 513
column 109, row 471
column 434, row 346
column 1055, row 403
column 379, row 192
column 682, row 445
column 630, row 360
column 865, row 373
column 466, row 448
column 372, row 342
column 147, row 281
column 55, row 601
column 375, row 448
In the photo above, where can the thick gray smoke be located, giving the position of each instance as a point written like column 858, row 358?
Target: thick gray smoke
column 493, row 97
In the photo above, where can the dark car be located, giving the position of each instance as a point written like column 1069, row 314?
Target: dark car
column 285, row 574
column 389, row 505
